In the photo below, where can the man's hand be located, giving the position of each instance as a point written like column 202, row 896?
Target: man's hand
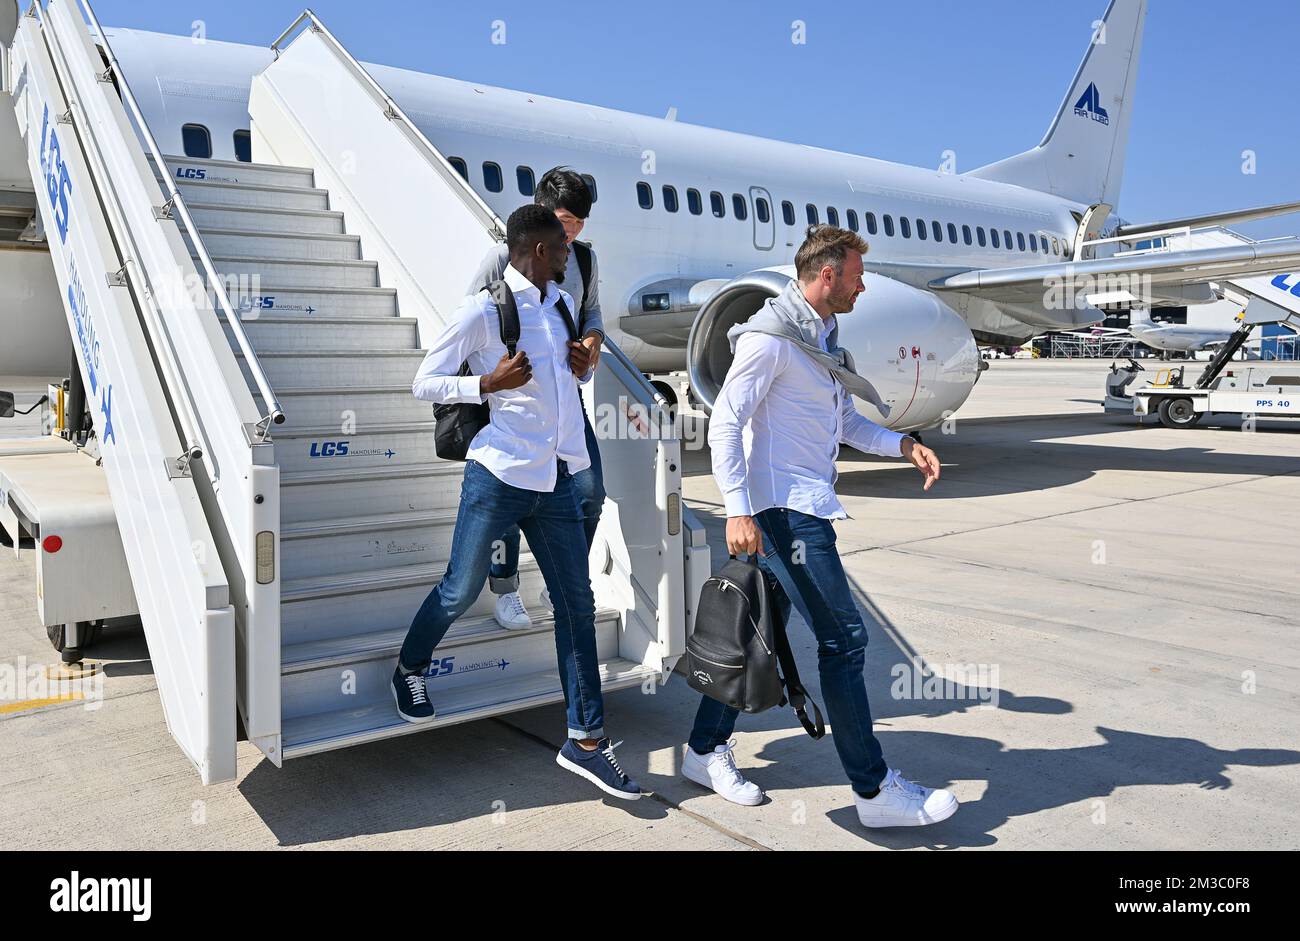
column 580, row 360
column 923, row 459
column 511, row 373
column 592, row 342
column 743, row 536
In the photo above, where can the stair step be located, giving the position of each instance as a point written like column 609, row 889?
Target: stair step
column 297, row 272
column 271, row 334
column 208, row 216
column 284, row 301
column 402, row 442
column 265, row 195
column 301, row 368
column 234, row 171
column 375, row 541
column 319, row 607
column 252, row 243
column 310, row 734
column 357, row 408
column 358, row 671
column 314, row 494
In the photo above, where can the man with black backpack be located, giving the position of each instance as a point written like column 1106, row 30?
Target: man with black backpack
column 520, row 470
column 565, row 193
column 775, row 432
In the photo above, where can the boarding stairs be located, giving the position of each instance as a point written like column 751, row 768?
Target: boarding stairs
column 314, row 516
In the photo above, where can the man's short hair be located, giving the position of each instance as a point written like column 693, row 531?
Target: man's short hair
column 528, row 225
column 562, row 188
column 826, row 245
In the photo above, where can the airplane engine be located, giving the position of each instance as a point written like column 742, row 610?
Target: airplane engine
column 915, row 349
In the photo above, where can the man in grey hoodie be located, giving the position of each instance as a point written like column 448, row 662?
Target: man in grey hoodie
column 775, row 432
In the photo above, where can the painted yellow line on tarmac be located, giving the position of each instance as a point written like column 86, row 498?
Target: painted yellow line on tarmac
column 25, row 704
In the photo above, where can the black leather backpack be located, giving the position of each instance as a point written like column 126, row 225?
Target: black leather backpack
column 738, row 644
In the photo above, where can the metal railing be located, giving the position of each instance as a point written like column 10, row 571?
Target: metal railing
column 486, row 216
column 175, row 205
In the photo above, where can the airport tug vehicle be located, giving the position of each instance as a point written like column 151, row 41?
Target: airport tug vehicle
column 1261, row 389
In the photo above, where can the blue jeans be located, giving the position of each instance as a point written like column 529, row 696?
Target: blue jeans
column 553, row 524
column 590, row 487
column 820, row 591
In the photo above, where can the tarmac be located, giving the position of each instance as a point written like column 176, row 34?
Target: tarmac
column 1119, row 603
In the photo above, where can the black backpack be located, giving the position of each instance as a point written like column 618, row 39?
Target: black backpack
column 458, row 423
column 738, row 642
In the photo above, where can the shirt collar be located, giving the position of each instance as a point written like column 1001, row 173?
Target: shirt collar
column 518, row 283
column 827, row 324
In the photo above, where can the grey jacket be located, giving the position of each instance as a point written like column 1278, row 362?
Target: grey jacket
column 587, row 315
column 789, row 315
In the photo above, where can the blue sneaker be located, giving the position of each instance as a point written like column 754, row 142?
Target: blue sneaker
column 412, row 700
column 600, row 767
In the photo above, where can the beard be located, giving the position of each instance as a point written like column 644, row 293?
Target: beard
column 558, row 277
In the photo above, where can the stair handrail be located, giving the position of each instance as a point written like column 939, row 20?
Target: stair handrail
column 176, row 203
column 486, row 216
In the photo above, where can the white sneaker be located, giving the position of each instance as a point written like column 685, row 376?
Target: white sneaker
column 718, row 772
column 510, row 612
column 545, row 599
column 902, row 803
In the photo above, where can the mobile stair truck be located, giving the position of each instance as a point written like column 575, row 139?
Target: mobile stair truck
column 281, row 508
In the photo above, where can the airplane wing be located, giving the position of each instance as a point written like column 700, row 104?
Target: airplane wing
column 1124, row 275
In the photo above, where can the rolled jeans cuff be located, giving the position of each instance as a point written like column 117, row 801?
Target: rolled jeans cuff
column 596, row 733
column 504, row 586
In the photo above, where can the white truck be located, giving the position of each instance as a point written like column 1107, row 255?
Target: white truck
column 1254, row 389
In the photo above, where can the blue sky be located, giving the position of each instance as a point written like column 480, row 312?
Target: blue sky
column 901, row 81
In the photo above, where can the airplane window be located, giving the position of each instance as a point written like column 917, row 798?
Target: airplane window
column 739, row 207
column 1020, row 240
column 965, row 234
column 761, row 210
column 996, row 239
column 196, row 140
column 853, row 219
column 952, row 233
column 244, row 146
column 524, row 177
column 979, row 236
column 812, row 215
column 1056, row 246
column 871, row 223
column 920, row 230
column 937, row 228
column 693, row 202
column 787, row 211
column 833, row 215
column 645, row 197
column 670, row 198
column 459, row 166
column 889, row 225
column 905, row 227
column 492, row 177
column 591, row 184
column 717, row 204
column 1006, row 236
column 1033, row 242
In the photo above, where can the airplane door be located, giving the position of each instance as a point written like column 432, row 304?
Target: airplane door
column 764, row 218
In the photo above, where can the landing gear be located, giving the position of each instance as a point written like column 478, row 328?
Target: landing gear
column 71, row 639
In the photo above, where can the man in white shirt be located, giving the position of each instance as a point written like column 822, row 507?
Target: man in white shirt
column 775, row 433
column 519, row 470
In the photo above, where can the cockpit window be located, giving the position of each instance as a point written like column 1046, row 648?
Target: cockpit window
column 196, row 141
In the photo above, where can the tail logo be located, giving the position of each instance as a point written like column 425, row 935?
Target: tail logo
column 1089, row 106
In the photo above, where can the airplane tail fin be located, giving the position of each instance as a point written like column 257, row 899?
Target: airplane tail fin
column 1082, row 156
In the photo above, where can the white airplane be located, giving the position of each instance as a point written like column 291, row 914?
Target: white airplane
column 696, row 227
column 1176, row 337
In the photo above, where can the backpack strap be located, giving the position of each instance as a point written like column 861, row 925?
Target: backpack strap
column 582, row 254
column 794, row 691
column 507, row 314
column 563, row 308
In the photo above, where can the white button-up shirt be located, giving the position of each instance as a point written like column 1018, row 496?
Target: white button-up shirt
column 776, row 430
column 530, row 426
